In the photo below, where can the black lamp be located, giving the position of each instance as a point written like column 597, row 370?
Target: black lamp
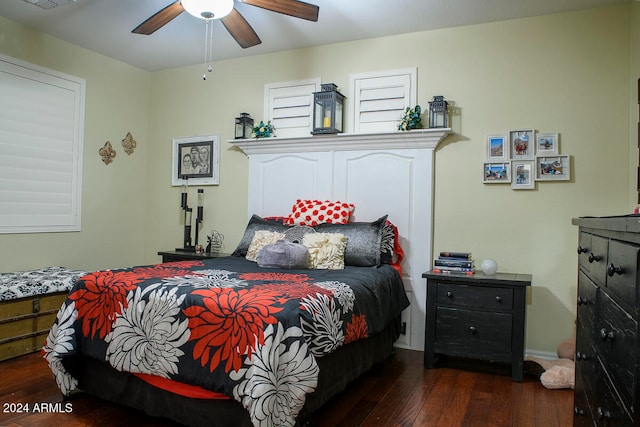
column 244, row 126
column 328, row 106
column 438, row 112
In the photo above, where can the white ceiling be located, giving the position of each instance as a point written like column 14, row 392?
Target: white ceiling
column 104, row 26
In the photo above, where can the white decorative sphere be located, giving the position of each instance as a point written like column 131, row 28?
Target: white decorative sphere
column 489, row 267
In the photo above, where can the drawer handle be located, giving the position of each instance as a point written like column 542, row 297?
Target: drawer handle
column 583, row 301
column 612, row 269
column 593, row 257
column 498, row 298
column 449, row 294
column 582, row 250
column 473, row 330
column 578, row 412
column 606, row 336
column 581, row 356
column 602, row 413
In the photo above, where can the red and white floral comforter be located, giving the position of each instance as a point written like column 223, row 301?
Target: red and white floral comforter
column 224, row 325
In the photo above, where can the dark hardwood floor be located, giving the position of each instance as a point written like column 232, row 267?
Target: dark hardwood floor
column 398, row 393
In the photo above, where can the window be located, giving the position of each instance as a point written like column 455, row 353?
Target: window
column 41, row 134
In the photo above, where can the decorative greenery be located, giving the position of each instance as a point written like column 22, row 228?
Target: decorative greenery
column 263, row 130
column 411, row 119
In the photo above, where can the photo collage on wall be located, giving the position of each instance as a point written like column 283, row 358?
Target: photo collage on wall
column 523, row 157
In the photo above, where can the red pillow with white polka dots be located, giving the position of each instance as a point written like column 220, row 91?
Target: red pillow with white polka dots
column 314, row 212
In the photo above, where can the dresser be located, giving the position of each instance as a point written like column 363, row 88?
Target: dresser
column 477, row 317
column 607, row 388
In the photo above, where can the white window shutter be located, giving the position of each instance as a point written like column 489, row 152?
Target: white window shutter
column 41, row 134
column 289, row 106
column 379, row 99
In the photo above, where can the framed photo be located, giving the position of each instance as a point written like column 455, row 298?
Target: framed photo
column 547, row 144
column 497, row 148
column 497, row 173
column 553, row 168
column 523, row 175
column 196, row 158
column 522, row 144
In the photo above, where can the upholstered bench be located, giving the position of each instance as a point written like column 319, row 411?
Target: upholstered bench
column 29, row 302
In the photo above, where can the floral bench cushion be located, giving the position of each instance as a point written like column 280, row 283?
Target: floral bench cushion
column 30, row 283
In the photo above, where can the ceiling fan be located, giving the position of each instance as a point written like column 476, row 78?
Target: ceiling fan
column 224, row 10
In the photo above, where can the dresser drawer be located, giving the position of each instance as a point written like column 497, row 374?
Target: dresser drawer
column 587, row 302
column 475, row 334
column 597, row 259
column 586, row 359
column 616, row 346
column 583, row 413
column 622, row 267
column 584, row 250
column 607, row 409
column 470, row 296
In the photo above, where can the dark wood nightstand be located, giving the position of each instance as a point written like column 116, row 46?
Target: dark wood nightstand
column 172, row 256
column 477, row 317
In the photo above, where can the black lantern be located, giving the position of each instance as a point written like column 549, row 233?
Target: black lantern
column 244, row 126
column 328, row 105
column 438, row 113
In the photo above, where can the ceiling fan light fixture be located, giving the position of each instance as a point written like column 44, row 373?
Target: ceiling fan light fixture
column 208, row 9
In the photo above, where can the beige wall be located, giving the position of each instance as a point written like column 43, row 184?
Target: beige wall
column 567, row 73
column 113, row 196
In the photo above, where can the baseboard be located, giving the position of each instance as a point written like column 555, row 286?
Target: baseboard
column 541, row 354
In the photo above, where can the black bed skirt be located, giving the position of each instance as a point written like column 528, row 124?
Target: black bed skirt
column 336, row 371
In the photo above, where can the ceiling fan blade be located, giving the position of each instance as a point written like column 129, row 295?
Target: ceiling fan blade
column 295, row 8
column 160, row 19
column 240, row 29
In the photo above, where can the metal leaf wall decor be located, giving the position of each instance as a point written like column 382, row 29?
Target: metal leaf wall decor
column 129, row 144
column 107, row 153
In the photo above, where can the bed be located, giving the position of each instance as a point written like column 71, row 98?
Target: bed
column 230, row 341
column 379, row 173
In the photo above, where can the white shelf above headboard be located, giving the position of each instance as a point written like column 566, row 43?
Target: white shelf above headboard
column 381, row 173
column 421, row 138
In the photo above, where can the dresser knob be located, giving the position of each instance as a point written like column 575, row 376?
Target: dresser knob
column 577, row 411
column 498, row 298
column 581, row 356
column 582, row 301
column 582, row 250
column 612, row 269
column 449, row 294
column 593, row 257
column 606, row 336
column 473, row 329
column 602, row 413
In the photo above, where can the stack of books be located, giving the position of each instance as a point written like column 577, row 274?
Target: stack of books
column 454, row 262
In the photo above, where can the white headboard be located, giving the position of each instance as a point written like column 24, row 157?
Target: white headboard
column 383, row 173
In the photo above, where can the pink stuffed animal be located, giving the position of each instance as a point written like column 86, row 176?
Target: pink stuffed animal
column 555, row 374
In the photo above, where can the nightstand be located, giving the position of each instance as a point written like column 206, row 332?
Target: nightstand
column 172, row 256
column 476, row 317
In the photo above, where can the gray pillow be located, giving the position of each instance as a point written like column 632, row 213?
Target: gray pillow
column 283, row 254
column 363, row 240
column 256, row 223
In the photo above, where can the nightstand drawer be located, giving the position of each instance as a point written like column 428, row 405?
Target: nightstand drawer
column 472, row 296
column 468, row 333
